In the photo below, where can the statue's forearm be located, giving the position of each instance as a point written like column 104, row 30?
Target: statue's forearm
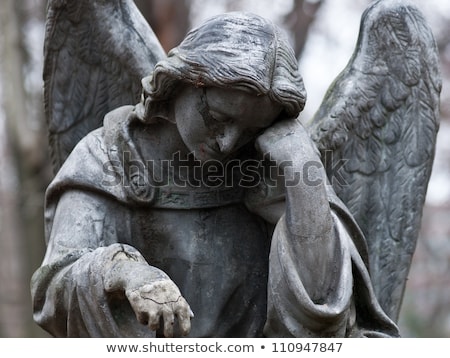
column 307, row 211
column 310, row 230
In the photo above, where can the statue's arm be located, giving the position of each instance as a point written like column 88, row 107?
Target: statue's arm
column 318, row 282
column 310, row 278
column 307, row 219
column 86, row 268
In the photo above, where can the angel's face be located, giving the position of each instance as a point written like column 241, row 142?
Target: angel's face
column 215, row 122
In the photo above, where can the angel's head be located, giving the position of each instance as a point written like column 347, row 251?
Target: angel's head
column 233, row 50
column 236, row 51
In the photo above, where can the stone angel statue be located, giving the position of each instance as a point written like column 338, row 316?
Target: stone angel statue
column 190, row 197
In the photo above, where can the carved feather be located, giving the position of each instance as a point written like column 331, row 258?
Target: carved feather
column 381, row 116
column 96, row 53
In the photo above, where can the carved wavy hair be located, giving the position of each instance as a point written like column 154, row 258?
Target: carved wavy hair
column 233, row 50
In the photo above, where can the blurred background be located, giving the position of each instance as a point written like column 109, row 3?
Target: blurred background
column 323, row 32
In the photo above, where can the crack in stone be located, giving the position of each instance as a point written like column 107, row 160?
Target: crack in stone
column 160, row 303
column 123, row 251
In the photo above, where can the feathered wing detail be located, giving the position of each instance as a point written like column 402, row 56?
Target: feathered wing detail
column 96, row 53
column 376, row 130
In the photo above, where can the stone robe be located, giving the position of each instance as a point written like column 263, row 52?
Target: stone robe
column 237, row 272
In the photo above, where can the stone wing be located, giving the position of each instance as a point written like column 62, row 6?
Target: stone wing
column 96, row 53
column 376, row 130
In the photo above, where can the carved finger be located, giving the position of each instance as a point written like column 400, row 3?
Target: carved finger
column 154, row 319
column 184, row 315
column 185, row 324
column 169, row 321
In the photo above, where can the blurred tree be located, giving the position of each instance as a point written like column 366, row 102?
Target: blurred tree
column 25, row 174
column 299, row 20
column 169, row 19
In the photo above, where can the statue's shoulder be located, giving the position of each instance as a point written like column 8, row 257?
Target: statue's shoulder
column 115, row 121
column 97, row 144
column 90, row 166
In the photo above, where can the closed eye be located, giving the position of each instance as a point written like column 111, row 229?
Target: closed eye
column 219, row 118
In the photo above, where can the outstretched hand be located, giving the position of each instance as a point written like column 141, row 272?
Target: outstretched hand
column 161, row 301
column 153, row 296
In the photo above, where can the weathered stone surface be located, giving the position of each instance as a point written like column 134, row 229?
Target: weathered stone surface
column 205, row 209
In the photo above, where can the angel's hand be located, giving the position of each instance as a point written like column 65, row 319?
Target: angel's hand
column 153, row 296
column 288, row 148
column 160, row 300
column 287, row 142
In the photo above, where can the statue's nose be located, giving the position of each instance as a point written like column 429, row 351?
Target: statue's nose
column 227, row 141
